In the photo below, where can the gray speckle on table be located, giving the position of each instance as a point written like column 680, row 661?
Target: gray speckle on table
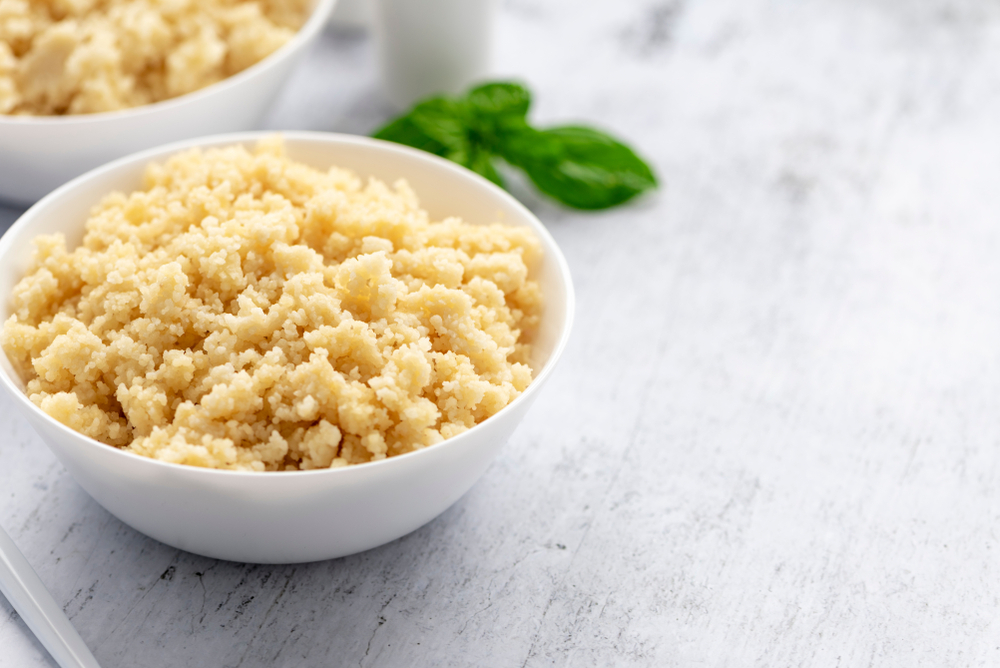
column 8, row 214
column 773, row 438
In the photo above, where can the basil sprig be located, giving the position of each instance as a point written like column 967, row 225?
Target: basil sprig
column 578, row 166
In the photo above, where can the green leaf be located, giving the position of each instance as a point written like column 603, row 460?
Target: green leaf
column 492, row 108
column 499, row 99
column 404, row 131
column 437, row 125
column 580, row 167
column 481, row 163
column 445, row 121
column 441, row 126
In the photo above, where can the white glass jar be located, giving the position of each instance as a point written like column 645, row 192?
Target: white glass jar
column 432, row 46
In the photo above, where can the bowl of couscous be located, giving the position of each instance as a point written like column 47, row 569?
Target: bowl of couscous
column 279, row 348
column 82, row 83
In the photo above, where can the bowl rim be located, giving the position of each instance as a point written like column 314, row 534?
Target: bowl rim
column 165, row 150
column 321, row 11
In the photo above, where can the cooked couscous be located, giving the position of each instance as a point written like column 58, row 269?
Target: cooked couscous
column 86, row 56
column 244, row 311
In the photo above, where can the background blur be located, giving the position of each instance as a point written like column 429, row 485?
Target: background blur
column 773, row 439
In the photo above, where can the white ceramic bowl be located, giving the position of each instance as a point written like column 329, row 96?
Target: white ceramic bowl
column 40, row 153
column 285, row 517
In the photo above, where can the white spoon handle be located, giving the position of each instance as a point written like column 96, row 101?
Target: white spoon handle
column 32, row 600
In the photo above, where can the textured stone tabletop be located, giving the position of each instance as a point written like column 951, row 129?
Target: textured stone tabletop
column 773, row 439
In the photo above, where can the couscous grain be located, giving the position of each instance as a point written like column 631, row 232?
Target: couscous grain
column 244, row 311
column 87, row 56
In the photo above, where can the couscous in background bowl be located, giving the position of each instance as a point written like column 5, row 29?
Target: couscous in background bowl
column 287, row 517
column 40, row 153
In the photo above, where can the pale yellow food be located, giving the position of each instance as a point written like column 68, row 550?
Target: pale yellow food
column 87, row 56
column 247, row 312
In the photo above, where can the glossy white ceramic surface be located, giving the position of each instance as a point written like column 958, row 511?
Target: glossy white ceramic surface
column 293, row 516
column 38, row 154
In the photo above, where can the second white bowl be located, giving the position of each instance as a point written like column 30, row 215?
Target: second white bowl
column 40, row 153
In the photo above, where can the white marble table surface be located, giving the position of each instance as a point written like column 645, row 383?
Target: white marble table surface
column 774, row 437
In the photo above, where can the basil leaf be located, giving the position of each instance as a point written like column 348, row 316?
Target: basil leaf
column 404, row 131
column 481, row 162
column 578, row 166
column 441, row 126
column 437, row 125
column 445, row 121
column 492, row 107
column 499, row 99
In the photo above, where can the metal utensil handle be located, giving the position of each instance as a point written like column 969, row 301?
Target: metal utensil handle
column 20, row 584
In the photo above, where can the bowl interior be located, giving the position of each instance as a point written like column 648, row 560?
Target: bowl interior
column 444, row 190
